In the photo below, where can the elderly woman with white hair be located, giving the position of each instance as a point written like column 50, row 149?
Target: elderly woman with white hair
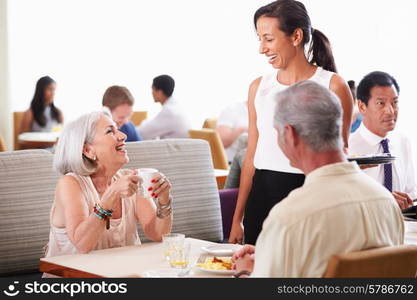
column 96, row 204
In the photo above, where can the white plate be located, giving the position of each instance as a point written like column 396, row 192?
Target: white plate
column 203, row 258
column 221, row 249
column 162, row 273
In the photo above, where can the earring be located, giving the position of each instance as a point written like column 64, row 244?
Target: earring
column 94, row 158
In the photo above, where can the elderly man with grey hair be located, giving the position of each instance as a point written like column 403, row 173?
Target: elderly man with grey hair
column 339, row 209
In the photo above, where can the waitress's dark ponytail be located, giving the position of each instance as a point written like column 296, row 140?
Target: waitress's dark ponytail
column 291, row 15
column 320, row 52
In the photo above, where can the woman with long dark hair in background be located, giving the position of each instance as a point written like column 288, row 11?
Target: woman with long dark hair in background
column 284, row 29
column 42, row 115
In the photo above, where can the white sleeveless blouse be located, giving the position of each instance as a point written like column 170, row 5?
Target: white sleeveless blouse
column 122, row 232
column 268, row 155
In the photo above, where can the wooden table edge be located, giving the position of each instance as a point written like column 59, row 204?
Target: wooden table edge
column 67, row 272
column 35, row 144
column 58, row 270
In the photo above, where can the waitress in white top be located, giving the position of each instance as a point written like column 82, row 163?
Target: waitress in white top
column 284, row 29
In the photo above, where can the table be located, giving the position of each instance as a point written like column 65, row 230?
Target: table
column 123, row 262
column 221, row 176
column 132, row 261
column 30, row 140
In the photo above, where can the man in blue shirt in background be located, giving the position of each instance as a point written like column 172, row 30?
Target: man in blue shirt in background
column 119, row 101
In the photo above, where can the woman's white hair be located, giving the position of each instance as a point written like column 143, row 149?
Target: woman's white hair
column 69, row 157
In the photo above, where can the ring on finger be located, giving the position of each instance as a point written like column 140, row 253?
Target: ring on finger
column 161, row 188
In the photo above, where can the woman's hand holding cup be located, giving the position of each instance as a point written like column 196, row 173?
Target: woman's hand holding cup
column 160, row 188
column 155, row 185
column 127, row 184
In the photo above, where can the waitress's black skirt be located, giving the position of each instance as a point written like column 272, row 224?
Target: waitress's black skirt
column 268, row 188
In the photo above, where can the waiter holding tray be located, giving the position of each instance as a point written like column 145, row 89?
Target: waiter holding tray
column 378, row 95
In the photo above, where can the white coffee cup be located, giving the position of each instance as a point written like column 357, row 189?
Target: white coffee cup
column 147, row 174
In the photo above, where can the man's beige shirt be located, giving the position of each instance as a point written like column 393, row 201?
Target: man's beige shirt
column 339, row 209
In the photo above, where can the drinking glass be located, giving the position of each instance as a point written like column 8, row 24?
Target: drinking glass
column 172, row 241
column 179, row 256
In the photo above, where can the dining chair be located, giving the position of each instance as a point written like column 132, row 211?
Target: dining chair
column 17, row 120
column 138, row 117
column 218, row 154
column 228, row 200
column 210, row 123
column 27, row 185
column 393, row 262
column 2, row 144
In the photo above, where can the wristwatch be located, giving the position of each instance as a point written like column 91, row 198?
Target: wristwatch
column 243, row 272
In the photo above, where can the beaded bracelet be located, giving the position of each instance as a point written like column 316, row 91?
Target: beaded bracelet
column 106, row 212
column 99, row 213
column 98, row 216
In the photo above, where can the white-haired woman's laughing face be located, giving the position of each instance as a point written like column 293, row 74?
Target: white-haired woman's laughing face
column 108, row 148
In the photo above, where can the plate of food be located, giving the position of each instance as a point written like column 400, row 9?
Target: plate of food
column 221, row 249
column 372, row 159
column 220, row 265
